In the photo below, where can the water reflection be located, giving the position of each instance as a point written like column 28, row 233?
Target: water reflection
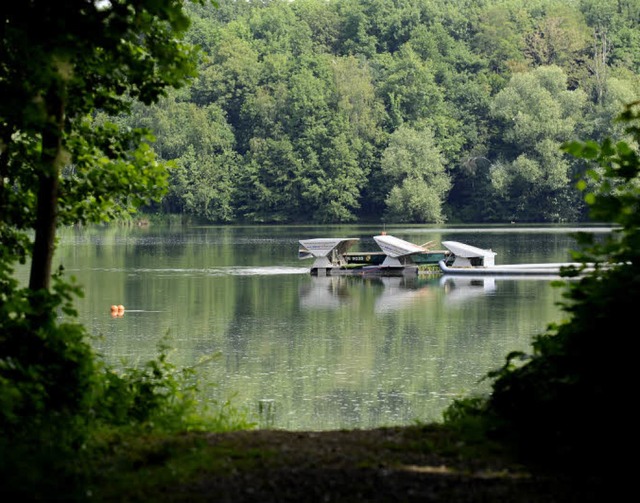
column 401, row 293
column 460, row 289
column 328, row 292
column 389, row 293
column 464, row 288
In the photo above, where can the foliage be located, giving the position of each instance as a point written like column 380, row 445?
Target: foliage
column 538, row 113
column 414, row 201
column 60, row 65
column 46, row 370
column 47, row 378
column 414, row 169
column 559, row 406
column 62, row 163
column 160, row 397
column 327, row 84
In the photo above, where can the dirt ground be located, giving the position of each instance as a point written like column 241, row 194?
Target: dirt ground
column 380, row 465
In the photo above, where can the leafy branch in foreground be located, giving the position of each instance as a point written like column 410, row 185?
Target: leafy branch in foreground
column 61, row 64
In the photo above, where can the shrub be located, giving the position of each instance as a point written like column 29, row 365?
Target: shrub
column 561, row 404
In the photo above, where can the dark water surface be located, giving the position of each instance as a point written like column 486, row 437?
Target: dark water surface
column 316, row 353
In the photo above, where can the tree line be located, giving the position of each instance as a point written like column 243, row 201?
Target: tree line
column 399, row 111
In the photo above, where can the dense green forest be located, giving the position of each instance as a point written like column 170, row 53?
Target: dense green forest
column 393, row 110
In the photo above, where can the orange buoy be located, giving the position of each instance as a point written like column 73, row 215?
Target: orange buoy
column 121, row 308
column 114, row 308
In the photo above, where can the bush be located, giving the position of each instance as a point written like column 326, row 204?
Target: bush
column 58, row 398
column 561, row 404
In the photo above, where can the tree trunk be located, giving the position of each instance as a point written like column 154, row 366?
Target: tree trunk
column 598, row 67
column 47, row 204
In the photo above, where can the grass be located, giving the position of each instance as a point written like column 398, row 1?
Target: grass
column 170, row 467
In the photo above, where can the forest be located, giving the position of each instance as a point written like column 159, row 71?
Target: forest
column 416, row 111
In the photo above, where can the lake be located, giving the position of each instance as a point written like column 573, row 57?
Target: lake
column 314, row 353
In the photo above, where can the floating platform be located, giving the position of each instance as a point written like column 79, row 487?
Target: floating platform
column 402, row 258
column 472, row 261
column 396, row 258
column 551, row 269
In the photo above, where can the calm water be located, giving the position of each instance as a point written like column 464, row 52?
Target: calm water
column 318, row 353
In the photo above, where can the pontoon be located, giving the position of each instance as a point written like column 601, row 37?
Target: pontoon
column 470, row 260
column 397, row 258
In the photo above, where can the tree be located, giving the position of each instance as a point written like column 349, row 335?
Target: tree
column 60, row 63
column 228, row 75
column 498, row 37
column 560, row 38
column 332, row 185
column 202, row 185
column 303, row 72
column 557, row 404
column 414, row 201
column 620, row 89
column 271, row 182
column 200, row 145
column 537, row 113
column 309, row 133
column 323, row 21
column 60, row 164
column 413, row 166
column 409, row 88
